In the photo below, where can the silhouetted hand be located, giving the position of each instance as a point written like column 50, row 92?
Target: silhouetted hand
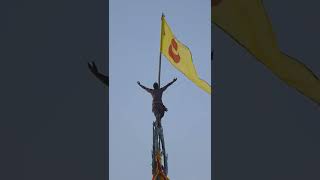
column 138, row 82
column 93, row 68
column 174, row 79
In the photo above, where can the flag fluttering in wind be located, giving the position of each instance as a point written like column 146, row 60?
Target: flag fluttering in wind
column 179, row 56
column 247, row 23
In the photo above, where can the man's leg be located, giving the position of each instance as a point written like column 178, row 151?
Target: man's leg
column 158, row 119
column 161, row 115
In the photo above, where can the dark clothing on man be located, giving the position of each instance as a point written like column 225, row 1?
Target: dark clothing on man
column 157, row 105
column 158, row 108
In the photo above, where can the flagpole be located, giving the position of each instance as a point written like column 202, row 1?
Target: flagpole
column 162, row 16
column 159, row 70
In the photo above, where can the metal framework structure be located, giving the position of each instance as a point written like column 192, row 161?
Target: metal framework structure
column 159, row 156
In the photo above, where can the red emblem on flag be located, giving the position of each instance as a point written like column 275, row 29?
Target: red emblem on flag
column 175, row 57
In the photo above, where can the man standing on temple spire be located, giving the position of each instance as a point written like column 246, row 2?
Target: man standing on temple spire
column 157, row 106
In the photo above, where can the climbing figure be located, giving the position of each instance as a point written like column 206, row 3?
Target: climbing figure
column 93, row 68
column 157, row 106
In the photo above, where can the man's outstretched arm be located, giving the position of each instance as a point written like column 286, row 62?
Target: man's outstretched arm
column 169, row 84
column 93, row 68
column 145, row 88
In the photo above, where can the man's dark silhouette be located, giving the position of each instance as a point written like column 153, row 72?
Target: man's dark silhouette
column 157, row 106
column 93, row 68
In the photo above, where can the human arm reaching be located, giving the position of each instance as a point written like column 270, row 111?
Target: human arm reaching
column 93, row 68
column 169, row 84
column 143, row 87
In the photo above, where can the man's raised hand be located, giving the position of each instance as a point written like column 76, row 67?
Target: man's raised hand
column 174, row 79
column 93, row 68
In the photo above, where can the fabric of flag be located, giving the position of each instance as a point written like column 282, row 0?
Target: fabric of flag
column 180, row 56
column 247, row 23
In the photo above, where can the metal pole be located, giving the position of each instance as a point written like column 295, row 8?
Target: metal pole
column 162, row 16
column 159, row 69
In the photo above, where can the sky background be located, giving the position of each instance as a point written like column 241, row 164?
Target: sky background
column 134, row 34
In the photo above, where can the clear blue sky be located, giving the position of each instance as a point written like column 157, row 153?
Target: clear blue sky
column 134, row 54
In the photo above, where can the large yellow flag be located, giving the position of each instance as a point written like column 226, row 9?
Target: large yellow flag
column 180, row 56
column 247, row 23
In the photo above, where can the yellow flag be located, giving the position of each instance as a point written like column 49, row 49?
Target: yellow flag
column 247, row 23
column 180, row 56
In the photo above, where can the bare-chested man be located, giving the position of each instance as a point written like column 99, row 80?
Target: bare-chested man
column 157, row 106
